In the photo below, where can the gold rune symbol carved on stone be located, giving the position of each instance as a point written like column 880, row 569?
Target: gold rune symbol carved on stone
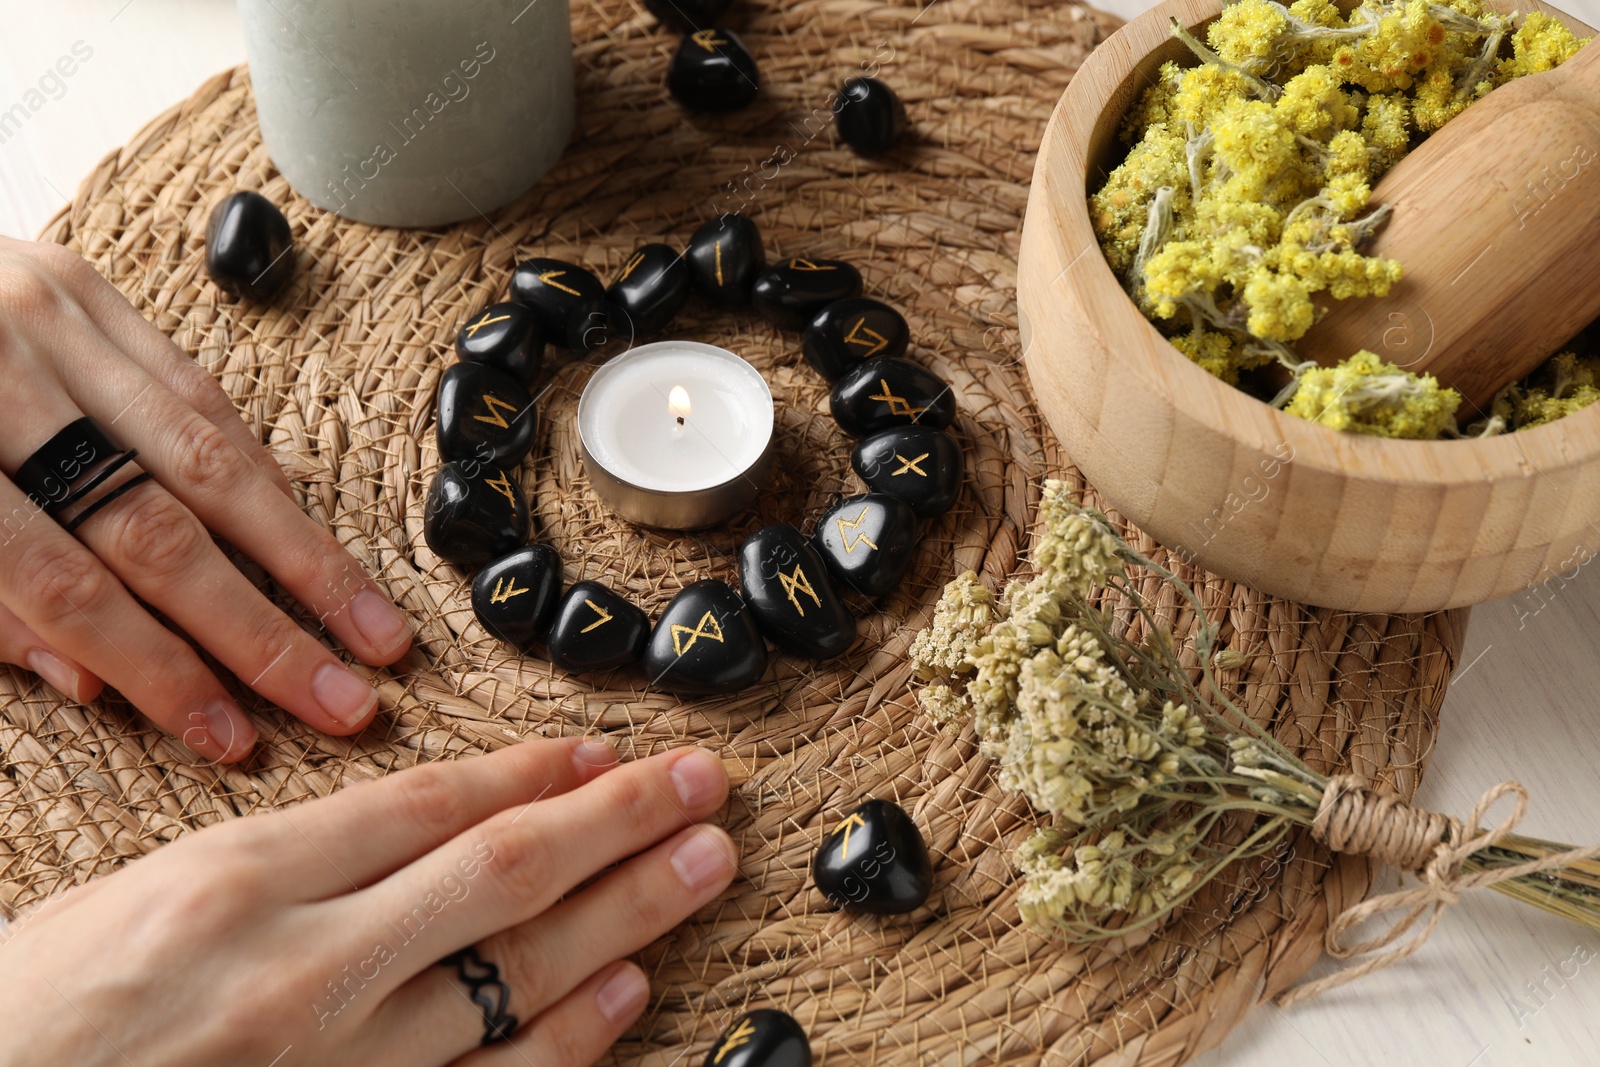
column 910, row 465
column 472, row 331
column 504, row 589
column 605, row 616
column 874, row 342
column 631, row 266
column 739, row 1037
column 898, row 405
column 502, row 485
column 549, row 278
column 798, row 583
column 708, row 627
column 860, row 538
column 493, row 405
column 854, row 820
column 708, row 39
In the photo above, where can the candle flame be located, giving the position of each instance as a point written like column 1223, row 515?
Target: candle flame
column 678, row 403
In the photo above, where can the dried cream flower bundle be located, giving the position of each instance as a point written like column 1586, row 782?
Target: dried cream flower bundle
column 1154, row 780
column 1246, row 186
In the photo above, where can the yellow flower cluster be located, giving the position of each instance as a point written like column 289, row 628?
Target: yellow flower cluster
column 1563, row 385
column 1366, row 395
column 1245, row 191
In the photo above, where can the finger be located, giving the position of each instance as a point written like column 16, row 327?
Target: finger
column 162, row 553
column 164, row 556
column 362, row 834
column 20, row 645
column 163, row 360
column 577, row 1031
column 71, row 600
column 533, row 856
column 200, row 466
column 544, row 959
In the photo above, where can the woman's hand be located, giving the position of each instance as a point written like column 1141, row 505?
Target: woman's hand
column 310, row 936
column 70, row 609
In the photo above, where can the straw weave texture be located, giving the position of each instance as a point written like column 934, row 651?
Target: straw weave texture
column 339, row 375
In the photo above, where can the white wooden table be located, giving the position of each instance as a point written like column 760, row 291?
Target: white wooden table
column 1499, row 984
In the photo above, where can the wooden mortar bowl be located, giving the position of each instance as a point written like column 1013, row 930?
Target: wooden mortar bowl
column 1288, row 507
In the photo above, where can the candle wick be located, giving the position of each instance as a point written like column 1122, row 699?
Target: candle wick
column 680, row 420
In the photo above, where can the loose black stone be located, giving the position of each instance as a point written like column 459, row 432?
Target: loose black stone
column 725, row 256
column 791, row 293
column 652, row 286
column 763, row 1038
column 595, row 630
column 913, row 464
column 569, row 301
column 484, row 415
column 686, row 16
column 867, row 541
column 788, row 589
column 706, row 642
column 874, row 861
column 475, row 512
column 515, row 595
column 871, row 117
column 884, row 393
column 508, row 338
column 848, row 331
column 248, row 246
column 712, row 71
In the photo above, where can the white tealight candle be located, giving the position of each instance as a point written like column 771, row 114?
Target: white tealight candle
column 676, row 434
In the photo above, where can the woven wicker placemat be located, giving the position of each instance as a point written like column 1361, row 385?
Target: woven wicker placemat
column 339, row 377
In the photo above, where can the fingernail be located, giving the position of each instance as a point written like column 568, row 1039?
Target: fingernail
column 380, row 622
column 54, row 669
column 701, row 860
column 623, row 994
column 348, row 700
column 229, row 728
column 698, row 777
column 593, row 753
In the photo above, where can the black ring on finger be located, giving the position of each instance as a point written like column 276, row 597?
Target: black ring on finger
column 137, row 480
column 48, row 475
column 488, row 992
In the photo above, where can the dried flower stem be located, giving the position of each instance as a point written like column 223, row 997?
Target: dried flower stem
column 1156, row 779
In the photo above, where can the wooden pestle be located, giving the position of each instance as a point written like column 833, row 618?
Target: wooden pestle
column 1497, row 224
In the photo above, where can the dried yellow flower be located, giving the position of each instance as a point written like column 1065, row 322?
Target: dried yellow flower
column 1245, row 193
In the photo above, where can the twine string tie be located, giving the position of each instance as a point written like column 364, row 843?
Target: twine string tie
column 1353, row 817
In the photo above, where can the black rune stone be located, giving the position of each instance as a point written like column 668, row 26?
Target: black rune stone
column 763, row 1038
column 874, row 861
column 248, row 246
column 789, row 591
column 706, row 642
column 475, row 512
column 652, row 286
column 596, row 630
column 791, row 293
column 913, row 464
column 871, row 117
column 846, row 332
column 867, row 541
column 686, row 16
column 514, row 596
column 569, row 301
column 884, row 393
column 484, row 415
column 712, row 71
column 725, row 256
column 508, row 338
